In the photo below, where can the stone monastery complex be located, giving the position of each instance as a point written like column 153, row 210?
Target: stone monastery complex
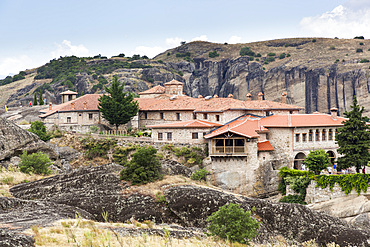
column 243, row 136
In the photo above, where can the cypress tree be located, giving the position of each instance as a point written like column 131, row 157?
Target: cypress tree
column 117, row 107
column 41, row 101
column 34, row 99
column 354, row 139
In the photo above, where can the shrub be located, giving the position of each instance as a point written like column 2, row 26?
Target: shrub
column 232, row 223
column 97, row 148
column 282, row 56
column 359, row 37
column 38, row 128
column 361, row 43
column 332, row 47
column 288, row 55
column 258, row 55
column 246, row 51
column 359, row 50
column 364, row 60
column 251, row 58
column 37, row 163
column 200, row 175
column 314, row 40
column 317, row 161
column 293, row 199
column 271, row 54
column 143, row 168
column 270, row 59
column 213, row 54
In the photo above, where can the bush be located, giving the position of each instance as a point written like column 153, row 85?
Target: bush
column 359, row 50
column 288, row 55
column 270, row 59
column 293, row 199
column 314, row 40
column 200, row 175
column 361, row 43
column 258, row 55
column 37, row 163
column 246, row 51
column 232, row 223
column 97, row 148
column 213, row 54
column 359, row 37
column 251, row 58
column 364, row 60
column 332, row 47
column 143, row 168
column 317, row 161
column 38, row 128
column 282, row 56
column 271, row 54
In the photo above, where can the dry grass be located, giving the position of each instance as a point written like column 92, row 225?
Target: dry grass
column 79, row 232
column 13, row 176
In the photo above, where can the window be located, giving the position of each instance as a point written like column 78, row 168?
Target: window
column 90, row 116
column 317, row 135
column 160, row 136
column 217, row 118
column 205, row 116
column 178, row 116
column 310, row 136
column 268, row 113
column 204, row 133
column 323, row 136
column 169, row 136
column 161, row 115
column 304, row 137
column 330, row 135
column 194, row 115
column 297, row 137
column 194, row 135
column 69, row 119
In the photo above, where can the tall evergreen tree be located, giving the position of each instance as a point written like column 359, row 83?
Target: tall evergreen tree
column 41, row 101
column 34, row 99
column 117, row 107
column 354, row 139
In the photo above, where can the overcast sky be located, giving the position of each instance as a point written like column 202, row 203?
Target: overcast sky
column 32, row 32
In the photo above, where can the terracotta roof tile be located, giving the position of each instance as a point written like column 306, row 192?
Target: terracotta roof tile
column 154, row 90
column 91, row 105
column 187, row 124
column 265, row 146
column 301, row 120
column 174, row 82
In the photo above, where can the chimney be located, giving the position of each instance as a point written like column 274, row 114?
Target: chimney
column 334, row 113
column 260, row 96
column 248, row 96
column 85, row 105
column 73, row 105
column 283, row 99
column 230, row 96
column 50, row 106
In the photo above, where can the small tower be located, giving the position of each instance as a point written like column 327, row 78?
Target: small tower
column 68, row 96
column 174, row 87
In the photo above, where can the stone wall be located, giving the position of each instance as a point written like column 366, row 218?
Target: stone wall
column 180, row 135
column 316, row 195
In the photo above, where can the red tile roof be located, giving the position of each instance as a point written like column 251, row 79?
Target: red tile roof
column 154, row 90
column 174, row 82
column 91, row 105
column 187, row 124
column 265, row 146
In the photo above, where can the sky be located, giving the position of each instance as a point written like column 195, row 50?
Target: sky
column 33, row 32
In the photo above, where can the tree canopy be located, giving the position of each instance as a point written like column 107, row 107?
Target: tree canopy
column 354, row 139
column 118, row 107
column 317, row 160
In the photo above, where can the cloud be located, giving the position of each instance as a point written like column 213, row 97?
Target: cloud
column 234, row 40
column 67, row 49
column 344, row 21
column 12, row 65
column 200, row 38
column 173, row 42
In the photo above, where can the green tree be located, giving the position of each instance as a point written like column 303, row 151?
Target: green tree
column 38, row 128
column 41, row 101
column 117, row 107
column 34, row 99
column 317, row 160
column 35, row 163
column 232, row 223
column 143, row 168
column 354, row 139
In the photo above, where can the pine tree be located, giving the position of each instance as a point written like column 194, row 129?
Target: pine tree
column 117, row 107
column 354, row 139
column 34, row 99
column 41, row 101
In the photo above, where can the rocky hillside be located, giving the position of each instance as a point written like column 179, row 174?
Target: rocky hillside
column 316, row 73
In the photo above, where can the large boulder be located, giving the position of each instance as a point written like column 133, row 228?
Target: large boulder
column 11, row 239
column 14, row 140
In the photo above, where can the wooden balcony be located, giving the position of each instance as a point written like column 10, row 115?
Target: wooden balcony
column 228, row 147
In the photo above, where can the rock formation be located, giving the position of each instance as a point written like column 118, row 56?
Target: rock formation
column 98, row 189
column 14, row 140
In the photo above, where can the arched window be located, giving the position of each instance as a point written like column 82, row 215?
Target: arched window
column 298, row 161
column 330, row 135
column 310, row 136
column 331, row 156
column 323, row 136
column 317, row 135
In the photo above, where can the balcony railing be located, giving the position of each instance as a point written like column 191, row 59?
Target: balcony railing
column 228, row 150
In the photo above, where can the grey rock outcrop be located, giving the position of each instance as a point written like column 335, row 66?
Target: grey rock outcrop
column 10, row 239
column 99, row 189
column 14, row 140
column 171, row 167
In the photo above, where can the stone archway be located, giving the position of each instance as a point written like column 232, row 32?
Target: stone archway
column 298, row 161
column 331, row 156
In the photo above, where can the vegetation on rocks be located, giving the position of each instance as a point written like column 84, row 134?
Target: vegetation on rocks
column 143, row 168
column 233, row 224
column 200, row 175
column 97, row 147
column 359, row 182
column 38, row 128
column 37, row 163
